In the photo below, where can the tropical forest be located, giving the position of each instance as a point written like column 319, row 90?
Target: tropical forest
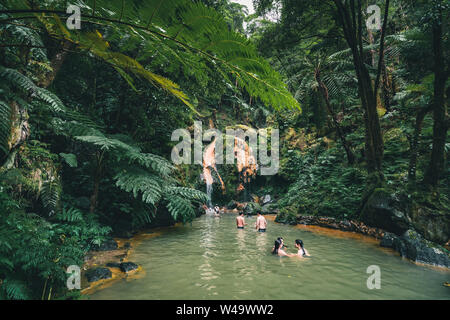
column 219, row 149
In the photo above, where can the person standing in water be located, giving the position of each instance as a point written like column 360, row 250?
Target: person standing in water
column 240, row 221
column 216, row 211
column 261, row 223
column 302, row 252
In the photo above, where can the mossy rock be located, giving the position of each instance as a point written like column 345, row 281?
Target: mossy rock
column 413, row 246
column 383, row 210
column 432, row 223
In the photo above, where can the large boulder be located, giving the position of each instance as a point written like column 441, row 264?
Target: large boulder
column 97, row 274
column 383, row 210
column 414, row 247
column 128, row 266
column 266, row 199
column 433, row 224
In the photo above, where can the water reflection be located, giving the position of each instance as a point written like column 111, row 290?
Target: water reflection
column 208, row 244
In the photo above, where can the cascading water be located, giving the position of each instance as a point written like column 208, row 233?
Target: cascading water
column 209, row 161
column 209, row 190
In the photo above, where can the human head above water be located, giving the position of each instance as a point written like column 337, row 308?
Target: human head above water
column 276, row 246
column 258, row 213
column 241, row 213
column 299, row 244
column 281, row 241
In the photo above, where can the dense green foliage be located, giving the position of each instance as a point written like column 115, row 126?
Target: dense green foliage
column 86, row 116
column 308, row 46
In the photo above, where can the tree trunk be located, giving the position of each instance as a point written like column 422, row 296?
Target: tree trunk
column 386, row 88
column 97, row 178
column 415, row 143
column 350, row 18
column 436, row 165
column 56, row 64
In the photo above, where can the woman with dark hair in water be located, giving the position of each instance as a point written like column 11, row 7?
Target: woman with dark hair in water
column 301, row 249
column 277, row 249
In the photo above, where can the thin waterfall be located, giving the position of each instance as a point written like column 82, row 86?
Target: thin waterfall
column 209, row 161
column 209, row 189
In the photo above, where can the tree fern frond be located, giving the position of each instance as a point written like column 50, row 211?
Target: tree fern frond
column 50, row 195
column 5, row 126
column 106, row 143
column 15, row 289
column 140, row 183
column 26, row 85
column 189, row 28
column 157, row 163
column 180, row 208
column 187, row 193
column 70, row 215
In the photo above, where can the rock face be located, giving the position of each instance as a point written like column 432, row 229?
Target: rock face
column 107, row 245
column 432, row 224
column 383, row 210
column 387, row 241
column 128, row 266
column 266, row 199
column 413, row 246
column 96, row 274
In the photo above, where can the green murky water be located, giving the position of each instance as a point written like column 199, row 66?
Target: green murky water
column 211, row 259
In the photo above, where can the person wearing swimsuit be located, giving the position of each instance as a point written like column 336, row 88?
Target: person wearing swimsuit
column 261, row 223
column 240, row 221
column 277, row 249
column 302, row 252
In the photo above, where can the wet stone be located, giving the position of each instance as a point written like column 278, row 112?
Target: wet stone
column 128, row 266
column 96, row 274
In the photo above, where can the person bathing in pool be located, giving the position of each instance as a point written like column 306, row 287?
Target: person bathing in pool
column 261, row 223
column 278, row 250
column 240, row 221
column 302, row 252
